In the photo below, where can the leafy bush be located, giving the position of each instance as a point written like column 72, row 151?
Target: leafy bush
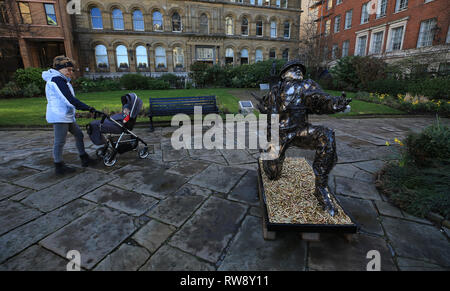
column 31, row 90
column 431, row 143
column 173, row 80
column 155, row 84
column 10, row 90
column 85, row 85
column 134, row 82
column 24, row 77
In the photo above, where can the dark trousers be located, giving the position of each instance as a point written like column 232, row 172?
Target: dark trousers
column 60, row 130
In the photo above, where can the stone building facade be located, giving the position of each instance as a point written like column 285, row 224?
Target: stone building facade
column 114, row 37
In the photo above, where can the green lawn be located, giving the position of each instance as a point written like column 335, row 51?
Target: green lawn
column 31, row 111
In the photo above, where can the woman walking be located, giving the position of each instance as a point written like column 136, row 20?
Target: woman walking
column 61, row 106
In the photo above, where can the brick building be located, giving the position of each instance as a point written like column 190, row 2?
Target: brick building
column 152, row 37
column 389, row 29
column 32, row 33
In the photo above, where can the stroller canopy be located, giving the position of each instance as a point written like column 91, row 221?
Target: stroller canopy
column 133, row 102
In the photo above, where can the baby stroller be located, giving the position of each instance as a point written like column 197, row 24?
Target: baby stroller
column 114, row 132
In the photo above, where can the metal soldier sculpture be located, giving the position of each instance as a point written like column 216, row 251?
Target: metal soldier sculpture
column 293, row 98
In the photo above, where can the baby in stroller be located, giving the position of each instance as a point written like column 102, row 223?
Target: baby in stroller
column 114, row 132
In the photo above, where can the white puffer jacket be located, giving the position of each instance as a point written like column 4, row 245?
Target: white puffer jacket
column 59, row 109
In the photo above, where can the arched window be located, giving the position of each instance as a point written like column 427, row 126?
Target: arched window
column 278, row 3
column 244, row 26
column 259, row 27
column 284, row 3
column 138, row 20
column 244, row 56
column 272, row 54
column 203, row 27
column 229, row 25
column 273, row 29
column 260, row 2
column 141, row 57
column 252, row 2
column 178, row 58
column 258, row 56
column 287, row 29
column 176, row 22
column 101, row 57
column 286, row 55
column 117, row 18
column 160, row 58
column 229, row 56
column 96, row 18
column 122, row 57
column 157, row 21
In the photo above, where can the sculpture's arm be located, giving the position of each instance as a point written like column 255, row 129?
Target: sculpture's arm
column 319, row 102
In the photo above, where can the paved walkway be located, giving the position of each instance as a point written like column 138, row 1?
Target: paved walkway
column 198, row 209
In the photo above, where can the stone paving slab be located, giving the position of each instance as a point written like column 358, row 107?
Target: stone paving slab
column 45, row 179
column 387, row 209
column 237, row 157
column 59, row 194
column 94, row 235
column 406, row 264
column 334, row 253
column 168, row 258
column 14, row 214
column 246, row 190
column 20, row 238
column 8, row 190
column 179, row 206
column 125, row 258
column 123, row 200
column 9, row 174
column 153, row 235
column 208, row 232
column 188, row 168
column 415, row 240
column 35, row 258
column 249, row 251
column 218, row 178
column 371, row 166
column 356, row 188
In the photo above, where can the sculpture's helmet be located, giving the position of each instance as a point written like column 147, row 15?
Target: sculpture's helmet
column 291, row 64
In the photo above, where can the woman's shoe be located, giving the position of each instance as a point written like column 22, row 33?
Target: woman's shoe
column 62, row 169
column 87, row 161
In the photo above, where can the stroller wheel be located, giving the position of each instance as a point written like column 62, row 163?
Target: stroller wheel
column 143, row 152
column 109, row 159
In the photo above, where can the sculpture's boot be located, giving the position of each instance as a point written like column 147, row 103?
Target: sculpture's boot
column 324, row 198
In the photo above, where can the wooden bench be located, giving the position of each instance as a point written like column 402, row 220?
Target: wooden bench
column 174, row 105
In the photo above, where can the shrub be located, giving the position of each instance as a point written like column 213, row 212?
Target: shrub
column 134, row 82
column 10, row 90
column 85, row 85
column 173, row 80
column 155, row 84
column 24, row 77
column 31, row 90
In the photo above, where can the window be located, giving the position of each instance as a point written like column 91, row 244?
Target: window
column 117, row 18
column 287, row 29
column 365, row 13
column 101, row 56
column 377, row 43
column 203, row 27
column 259, row 27
column 138, row 21
column 229, row 56
column 141, row 57
column 338, row 2
column 51, row 14
column 285, row 55
column 160, row 58
column 447, row 40
column 381, row 8
column 337, row 24
column 244, row 26
column 3, row 13
column 260, row 2
column 178, row 58
column 401, row 5
column 329, row 4
column 278, row 3
column 205, row 54
column 272, row 54
column 273, row 29
column 229, row 25
column 361, row 46
column 267, row 3
column 25, row 13
column 327, row 27
column 244, row 56
column 96, row 18
column 176, row 22
column 348, row 19
column 334, row 51
column 157, row 21
column 284, row 3
column 345, row 47
column 252, row 2
column 122, row 57
column 396, row 39
column 258, row 56
column 426, row 33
